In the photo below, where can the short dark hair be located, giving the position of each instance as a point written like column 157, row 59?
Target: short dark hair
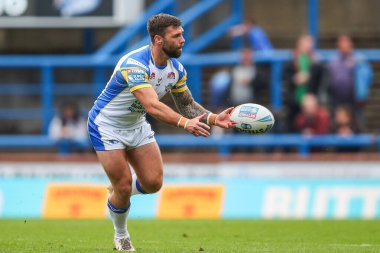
column 158, row 23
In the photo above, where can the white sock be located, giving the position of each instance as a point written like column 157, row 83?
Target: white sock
column 119, row 218
column 136, row 187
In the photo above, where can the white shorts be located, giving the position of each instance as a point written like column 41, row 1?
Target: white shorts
column 105, row 138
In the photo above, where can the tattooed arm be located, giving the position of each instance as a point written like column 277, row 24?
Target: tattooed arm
column 187, row 106
column 191, row 109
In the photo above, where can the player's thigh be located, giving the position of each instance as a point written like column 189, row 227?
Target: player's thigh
column 146, row 160
column 116, row 166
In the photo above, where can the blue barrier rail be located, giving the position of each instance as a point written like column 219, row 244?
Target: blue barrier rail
column 224, row 143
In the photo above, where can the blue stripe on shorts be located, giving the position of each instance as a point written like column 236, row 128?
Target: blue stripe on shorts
column 95, row 136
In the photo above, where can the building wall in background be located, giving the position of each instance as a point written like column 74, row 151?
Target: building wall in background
column 286, row 20
column 283, row 20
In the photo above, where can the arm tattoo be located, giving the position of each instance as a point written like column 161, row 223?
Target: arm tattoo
column 187, row 106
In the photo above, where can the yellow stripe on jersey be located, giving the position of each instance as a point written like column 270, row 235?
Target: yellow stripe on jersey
column 140, row 87
column 180, row 86
column 174, row 90
column 182, row 81
column 125, row 74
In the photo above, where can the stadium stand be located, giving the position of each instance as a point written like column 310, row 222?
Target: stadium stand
column 195, row 61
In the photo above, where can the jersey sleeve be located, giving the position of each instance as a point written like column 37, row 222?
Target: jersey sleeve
column 136, row 76
column 181, row 85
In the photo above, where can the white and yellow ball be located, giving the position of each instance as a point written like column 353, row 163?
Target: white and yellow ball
column 252, row 118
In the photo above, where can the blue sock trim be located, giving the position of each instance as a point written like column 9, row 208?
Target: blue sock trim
column 117, row 210
column 138, row 186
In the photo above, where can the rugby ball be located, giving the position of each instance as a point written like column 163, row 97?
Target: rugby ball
column 252, row 118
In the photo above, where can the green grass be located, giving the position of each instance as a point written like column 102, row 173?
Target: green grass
column 192, row 236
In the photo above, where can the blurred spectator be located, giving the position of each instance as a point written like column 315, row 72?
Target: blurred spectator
column 219, row 86
column 254, row 34
column 313, row 118
column 69, row 129
column 303, row 75
column 344, row 124
column 248, row 80
column 350, row 78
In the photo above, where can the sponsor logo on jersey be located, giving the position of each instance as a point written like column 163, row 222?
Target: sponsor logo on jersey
column 248, row 111
column 159, row 80
column 137, row 107
column 136, row 75
column 152, row 76
column 134, row 62
column 135, row 70
column 171, row 75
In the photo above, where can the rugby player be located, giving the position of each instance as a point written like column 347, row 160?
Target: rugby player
column 118, row 128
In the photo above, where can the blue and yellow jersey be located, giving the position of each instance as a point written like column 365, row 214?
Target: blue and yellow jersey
column 117, row 107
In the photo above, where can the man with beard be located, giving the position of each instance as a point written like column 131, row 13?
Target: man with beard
column 118, row 128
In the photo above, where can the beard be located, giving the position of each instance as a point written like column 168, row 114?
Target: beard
column 171, row 52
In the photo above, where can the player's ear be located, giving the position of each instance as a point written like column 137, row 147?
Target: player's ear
column 158, row 40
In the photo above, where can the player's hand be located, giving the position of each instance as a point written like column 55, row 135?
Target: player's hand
column 223, row 119
column 197, row 128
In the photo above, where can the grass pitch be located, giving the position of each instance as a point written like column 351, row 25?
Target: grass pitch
column 192, row 236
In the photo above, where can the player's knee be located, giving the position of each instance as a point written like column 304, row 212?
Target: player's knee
column 123, row 188
column 153, row 185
